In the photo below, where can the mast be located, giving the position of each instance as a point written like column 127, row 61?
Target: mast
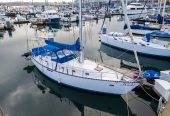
column 80, row 33
column 163, row 13
column 160, row 5
column 131, row 36
column 126, row 2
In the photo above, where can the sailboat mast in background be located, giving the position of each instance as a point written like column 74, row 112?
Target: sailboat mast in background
column 80, row 32
column 130, row 33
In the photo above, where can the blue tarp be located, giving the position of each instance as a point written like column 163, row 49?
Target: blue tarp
column 51, row 48
column 141, row 27
column 73, row 47
column 160, row 34
column 55, row 49
column 65, row 59
column 147, row 37
column 39, row 50
column 160, row 19
column 157, row 34
column 151, row 74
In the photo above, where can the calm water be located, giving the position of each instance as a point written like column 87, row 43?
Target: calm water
column 24, row 91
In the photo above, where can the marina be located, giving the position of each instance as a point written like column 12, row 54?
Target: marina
column 84, row 58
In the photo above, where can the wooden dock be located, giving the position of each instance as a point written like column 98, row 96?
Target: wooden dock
column 123, row 71
column 166, row 110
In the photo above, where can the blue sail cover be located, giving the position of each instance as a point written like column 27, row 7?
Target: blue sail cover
column 73, row 47
column 141, row 27
column 151, row 74
column 147, row 37
column 156, row 34
column 167, row 20
column 160, row 19
column 160, row 34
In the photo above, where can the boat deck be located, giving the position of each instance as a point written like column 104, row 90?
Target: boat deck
column 88, row 69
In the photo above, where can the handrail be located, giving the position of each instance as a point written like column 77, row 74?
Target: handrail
column 82, row 72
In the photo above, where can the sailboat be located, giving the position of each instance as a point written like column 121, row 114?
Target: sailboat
column 66, row 65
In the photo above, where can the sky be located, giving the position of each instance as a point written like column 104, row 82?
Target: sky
column 34, row 0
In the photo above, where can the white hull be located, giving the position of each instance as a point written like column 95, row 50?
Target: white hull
column 142, row 48
column 135, row 16
column 140, row 32
column 133, row 12
column 89, row 17
column 69, row 19
column 67, row 77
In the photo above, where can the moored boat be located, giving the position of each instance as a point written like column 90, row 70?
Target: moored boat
column 65, row 64
column 142, row 45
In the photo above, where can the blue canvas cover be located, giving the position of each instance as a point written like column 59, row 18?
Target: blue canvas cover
column 160, row 34
column 147, row 37
column 38, row 50
column 65, row 59
column 160, row 19
column 151, row 74
column 141, row 27
column 73, row 47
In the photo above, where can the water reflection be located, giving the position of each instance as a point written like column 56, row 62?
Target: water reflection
column 81, row 99
column 9, row 33
column 1, row 34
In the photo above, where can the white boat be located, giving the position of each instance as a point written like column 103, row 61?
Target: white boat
column 67, row 66
column 87, row 76
column 20, row 19
column 123, row 41
column 165, row 75
column 49, row 16
column 136, row 8
column 70, row 18
column 89, row 16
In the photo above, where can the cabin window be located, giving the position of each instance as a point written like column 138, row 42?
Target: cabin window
column 73, row 71
column 62, row 68
column 140, row 8
column 143, row 44
column 86, row 73
column 135, row 43
column 132, row 8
